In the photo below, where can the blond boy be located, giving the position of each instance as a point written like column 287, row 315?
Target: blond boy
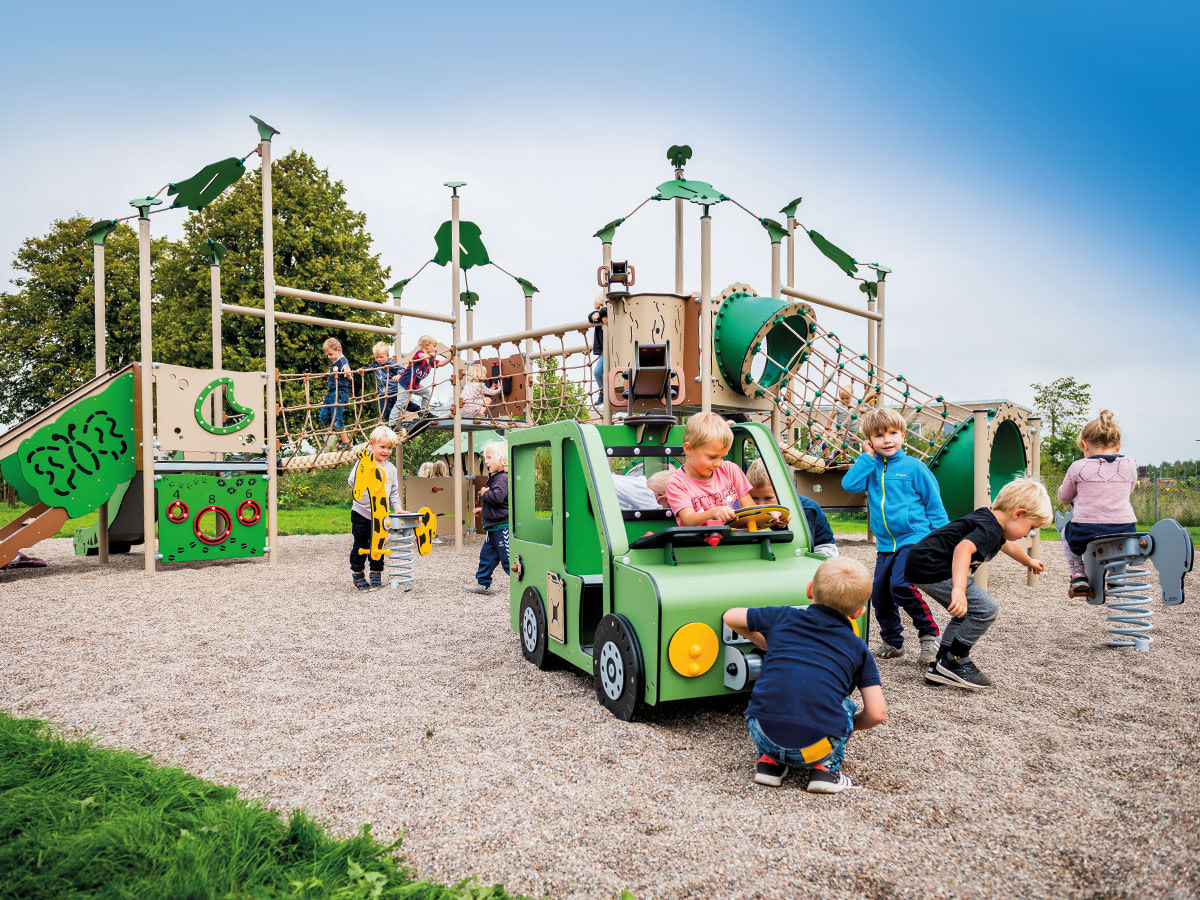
column 383, row 440
column 493, row 503
column 424, row 360
column 800, row 713
column 762, row 492
column 706, row 490
column 337, row 394
column 941, row 565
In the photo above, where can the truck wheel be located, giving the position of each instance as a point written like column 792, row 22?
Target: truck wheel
column 531, row 622
column 617, row 667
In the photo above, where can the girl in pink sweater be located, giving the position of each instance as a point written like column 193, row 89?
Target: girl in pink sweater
column 1098, row 486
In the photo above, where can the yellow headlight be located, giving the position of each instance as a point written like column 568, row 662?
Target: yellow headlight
column 693, row 649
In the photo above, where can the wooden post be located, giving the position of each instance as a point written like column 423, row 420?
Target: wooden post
column 981, row 493
column 454, row 367
column 879, row 326
column 791, row 223
column 148, row 441
column 528, row 361
column 1035, row 472
column 101, row 365
column 872, row 332
column 706, row 352
column 775, row 285
column 678, row 238
column 264, row 148
column 605, row 352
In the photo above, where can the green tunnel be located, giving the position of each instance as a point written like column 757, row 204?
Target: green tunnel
column 746, row 324
column 954, row 462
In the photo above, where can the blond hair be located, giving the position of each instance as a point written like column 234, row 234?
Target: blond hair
column 707, row 428
column 425, row 340
column 477, row 372
column 757, row 475
column 842, row 584
column 881, row 421
column 499, row 450
column 599, row 301
column 1029, row 495
column 332, row 344
column 381, row 347
column 440, row 469
column 384, row 436
column 425, row 470
column 658, row 481
column 1102, row 432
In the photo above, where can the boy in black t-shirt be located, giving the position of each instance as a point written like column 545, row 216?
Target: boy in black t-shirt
column 942, row 563
column 800, row 712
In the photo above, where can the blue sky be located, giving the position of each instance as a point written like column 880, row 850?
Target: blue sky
column 1028, row 170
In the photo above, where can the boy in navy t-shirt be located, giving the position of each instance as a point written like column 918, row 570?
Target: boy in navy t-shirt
column 800, row 712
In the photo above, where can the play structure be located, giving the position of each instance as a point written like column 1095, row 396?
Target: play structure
column 1112, row 565
column 126, row 443
column 624, row 594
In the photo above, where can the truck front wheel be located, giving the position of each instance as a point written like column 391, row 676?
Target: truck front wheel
column 531, row 621
column 617, row 667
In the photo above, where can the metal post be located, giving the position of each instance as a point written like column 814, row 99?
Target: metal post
column 872, row 332
column 775, row 285
column 264, row 149
column 1035, row 472
column 101, row 365
column 879, row 327
column 982, row 494
column 1156, row 473
column 214, row 273
column 678, row 238
column 454, row 277
column 791, row 223
column 605, row 352
column 528, row 364
column 148, row 441
column 706, row 354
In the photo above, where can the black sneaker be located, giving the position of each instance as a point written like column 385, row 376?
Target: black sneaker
column 963, row 673
column 769, row 772
column 822, row 781
column 376, row 580
column 360, row 581
column 934, row 677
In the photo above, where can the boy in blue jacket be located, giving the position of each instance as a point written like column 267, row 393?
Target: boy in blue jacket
column 905, row 505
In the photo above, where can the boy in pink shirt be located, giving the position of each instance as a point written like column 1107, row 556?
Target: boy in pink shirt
column 707, row 490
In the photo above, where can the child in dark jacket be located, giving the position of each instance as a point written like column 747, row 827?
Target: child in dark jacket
column 493, row 500
column 905, row 505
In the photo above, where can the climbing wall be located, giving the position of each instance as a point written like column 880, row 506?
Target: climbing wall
column 211, row 517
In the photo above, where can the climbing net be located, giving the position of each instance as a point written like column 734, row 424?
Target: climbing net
column 554, row 383
column 833, row 387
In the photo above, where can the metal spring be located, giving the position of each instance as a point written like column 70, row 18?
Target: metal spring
column 403, row 545
column 1124, row 589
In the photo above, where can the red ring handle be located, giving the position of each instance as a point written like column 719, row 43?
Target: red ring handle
column 249, row 512
column 177, row 511
column 220, row 538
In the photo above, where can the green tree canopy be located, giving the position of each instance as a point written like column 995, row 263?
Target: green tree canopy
column 1063, row 405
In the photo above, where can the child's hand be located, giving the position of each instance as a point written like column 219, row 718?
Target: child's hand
column 1036, row 566
column 958, row 603
column 867, row 448
column 724, row 513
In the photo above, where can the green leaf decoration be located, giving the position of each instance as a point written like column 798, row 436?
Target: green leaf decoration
column 469, row 299
column 840, row 257
column 881, row 271
column 695, row 191
column 790, row 209
column 774, row 229
column 265, row 131
column 679, row 154
column 207, row 184
column 100, row 231
column 527, row 287
column 870, row 288
column 397, row 289
column 214, row 250
column 608, row 231
column 470, row 242
column 143, row 204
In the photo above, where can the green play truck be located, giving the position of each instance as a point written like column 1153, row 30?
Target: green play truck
column 624, row 593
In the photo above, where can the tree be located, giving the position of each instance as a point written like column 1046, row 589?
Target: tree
column 1063, row 405
column 554, row 397
column 47, row 327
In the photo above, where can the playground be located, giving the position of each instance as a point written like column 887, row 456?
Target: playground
column 1072, row 778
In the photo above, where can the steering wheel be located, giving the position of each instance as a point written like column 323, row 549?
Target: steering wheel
column 752, row 518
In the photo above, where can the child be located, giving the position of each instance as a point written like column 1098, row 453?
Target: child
column 598, row 317
column 385, row 369
column 383, row 441
column 1099, row 487
column 905, row 505
column 800, row 711
column 338, row 393
column 942, row 563
column 640, row 492
column 763, row 494
column 476, row 396
column 424, row 360
column 707, row 488
column 493, row 498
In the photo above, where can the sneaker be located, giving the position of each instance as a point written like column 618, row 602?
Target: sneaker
column 929, row 649
column 769, row 772
column 887, row 651
column 934, row 677
column 822, row 781
column 1080, row 587
column 376, row 580
column 962, row 673
column 360, row 582
column 478, row 588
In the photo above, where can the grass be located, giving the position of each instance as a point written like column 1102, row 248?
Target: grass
column 79, row 820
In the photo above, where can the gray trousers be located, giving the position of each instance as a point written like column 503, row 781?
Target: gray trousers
column 400, row 410
column 982, row 610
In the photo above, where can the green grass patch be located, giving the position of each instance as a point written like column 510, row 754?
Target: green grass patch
column 77, row 820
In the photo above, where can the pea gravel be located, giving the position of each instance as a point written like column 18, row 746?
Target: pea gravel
column 1074, row 777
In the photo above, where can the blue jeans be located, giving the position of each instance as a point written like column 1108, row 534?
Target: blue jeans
column 331, row 408
column 494, row 552
column 890, row 590
column 598, row 371
column 793, row 757
column 386, row 402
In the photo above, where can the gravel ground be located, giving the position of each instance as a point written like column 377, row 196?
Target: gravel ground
column 1074, row 777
